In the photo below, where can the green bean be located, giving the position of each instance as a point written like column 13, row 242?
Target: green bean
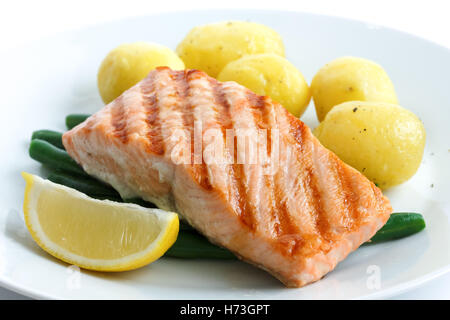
column 47, row 154
column 72, row 120
column 399, row 225
column 140, row 202
column 184, row 226
column 53, row 137
column 191, row 245
column 89, row 186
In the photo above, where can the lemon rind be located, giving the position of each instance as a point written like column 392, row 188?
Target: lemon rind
column 169, row 225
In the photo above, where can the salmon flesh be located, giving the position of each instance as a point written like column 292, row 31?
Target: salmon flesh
column 237, row 166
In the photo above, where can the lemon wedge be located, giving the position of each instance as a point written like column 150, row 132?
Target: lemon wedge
column 94, row 234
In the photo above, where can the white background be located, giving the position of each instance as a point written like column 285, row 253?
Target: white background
column 22, row 21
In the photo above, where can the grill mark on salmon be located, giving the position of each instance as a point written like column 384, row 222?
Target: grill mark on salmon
column 278, row 192
column 182, row 87
column 151, row 106
column 223, row 119
column 237, row 170
column 297, row 224
column 285, row 224
column 201, row 174
column 320, row 215
column 345, row 184
column 200, row 170
column 265, row 119
column 258, row 187
column 223, row 116
column 247, row 170
column 266, row 123
column 298, row 132
column 259, row 103
column 281, row 196
column 245, row 208
column 309, row 181
column 243, row 121
column 119, row 120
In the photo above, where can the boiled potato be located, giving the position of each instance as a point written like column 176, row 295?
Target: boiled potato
column 129, row 63
column 383, row 141
column 272, row 75
column 210, row 47
column 350, row 79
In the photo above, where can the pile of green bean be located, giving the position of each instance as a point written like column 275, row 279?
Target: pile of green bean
column 46, row 147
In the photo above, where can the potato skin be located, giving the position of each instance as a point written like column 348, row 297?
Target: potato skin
column 210, row 47
column 350, row 79
column 383, row 141
column 129, row 63
column 270, row 75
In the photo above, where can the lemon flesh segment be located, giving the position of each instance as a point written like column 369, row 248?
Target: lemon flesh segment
column 95, row 234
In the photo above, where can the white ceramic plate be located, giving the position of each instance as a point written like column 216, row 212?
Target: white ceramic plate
column 46, row 80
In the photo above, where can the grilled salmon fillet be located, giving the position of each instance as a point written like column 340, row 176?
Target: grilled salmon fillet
column 296, row 212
